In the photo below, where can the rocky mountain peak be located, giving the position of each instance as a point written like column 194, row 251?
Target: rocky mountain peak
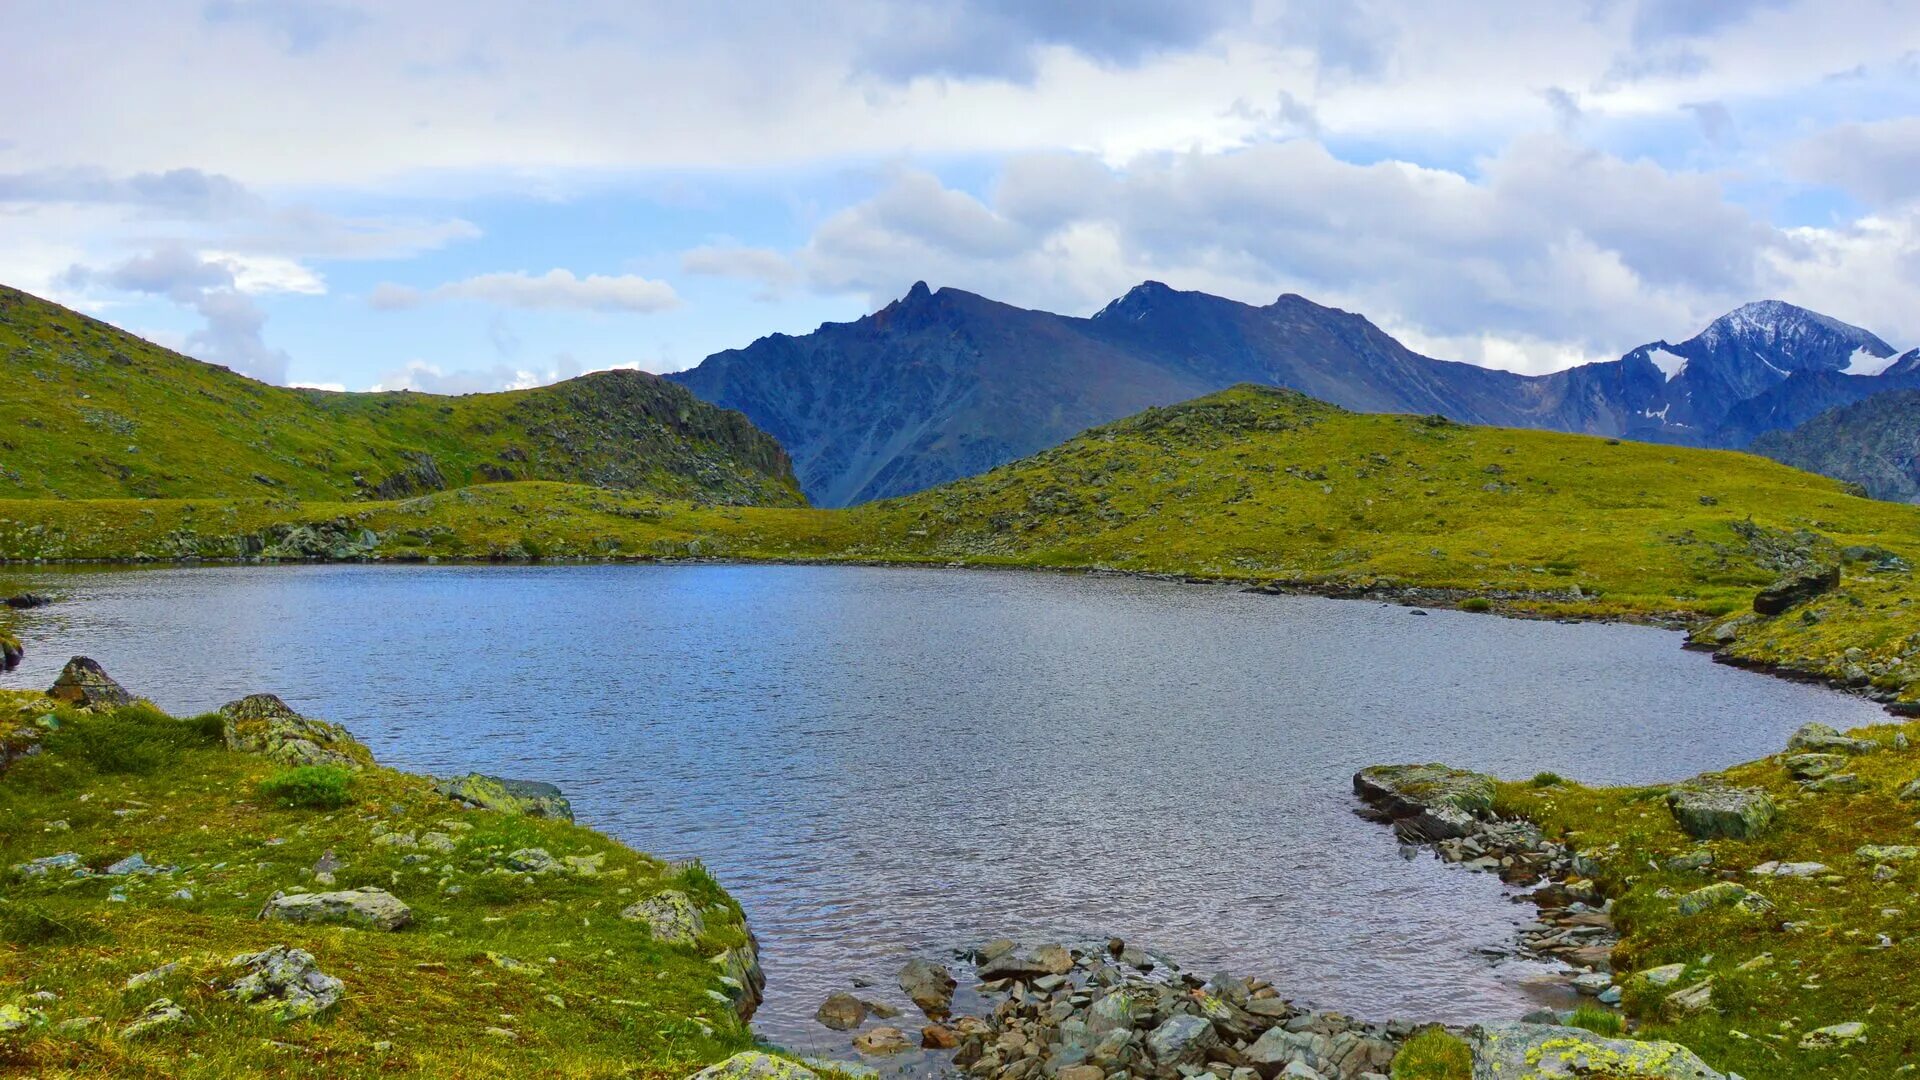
column 1806, row 340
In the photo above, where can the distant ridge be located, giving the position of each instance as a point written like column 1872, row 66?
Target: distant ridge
column 944, row 384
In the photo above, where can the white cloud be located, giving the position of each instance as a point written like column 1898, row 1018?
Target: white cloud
column 232, row 334
column 555, row 289
column 433, row 379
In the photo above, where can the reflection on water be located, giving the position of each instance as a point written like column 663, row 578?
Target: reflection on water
column 884, row 763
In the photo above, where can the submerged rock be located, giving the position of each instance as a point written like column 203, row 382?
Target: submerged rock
column 1707, row 811
column 369, row 908
column 1522, row 1051
column 284, row 983
column 1027, row 963
column 882, row 1040
column 85, row 683
column 263, row 724
column 928, row 985
column 841, row 1012
column 670, row 916
column 502, row 795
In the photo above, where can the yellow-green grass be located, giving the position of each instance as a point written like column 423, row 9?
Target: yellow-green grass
column 1249, row 484
column 1816, row 960
column 91, row 411
column 583, row 992
column 1433, row 1054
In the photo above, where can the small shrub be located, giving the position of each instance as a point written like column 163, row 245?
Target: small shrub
column 1548, row 779
column 531, row 547
column 312, row 787
column 1598, row 1020
column 136, row 740
column 1476, row 603
column 1432, row 1054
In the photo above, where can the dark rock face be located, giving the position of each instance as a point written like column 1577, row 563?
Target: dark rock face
column 85, row 683
column 942, row 385
column 421, row 475
column 1796, row 588
column 23, row 601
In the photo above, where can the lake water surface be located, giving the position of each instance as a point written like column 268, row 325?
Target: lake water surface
column 881, row 763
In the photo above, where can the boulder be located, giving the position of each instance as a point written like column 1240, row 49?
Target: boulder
column 1910, row 791
column 1723, row 894
column 928, row 985
column 263, row 724
column 530, row 797
column 1664, row 975
column 882, row 1040
column 670, row 916
column 1814, row 766
column 369, row 908
column 1522, row 1051
column 754, row 1065
column 941, row 1037
column 1823, row 739
column 1689, row 1000
column 86, row 684
column 1027, row 963
column 1884, row 853
column 1427, row 802
column 1707, row 811
column 1181, row 1040
column 284, row 983
column 841, row 1012
column 159, row 1015
column 1796, row 587
column 740, row 974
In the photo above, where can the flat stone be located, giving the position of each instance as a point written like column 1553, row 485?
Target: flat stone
column 159, row 1015
column 1884, row 853
column 1814, row 766
column 882, row 1040
column 145, row 978
column 532, row 861
column 670, row 916
column 754, row 1065
column 1790, row 869
column 1708, row 811
column 841, row 1012
column 1822, row 739
column 532, row 798
column 1592, row 983
column 1835, row 1035
column 1723, row 894
column 369, row 908
column 66, row 860
column 1431, row 802
column 1028, row 963
column 1838, row 784
column 1693, row 999
column 1523, row 1051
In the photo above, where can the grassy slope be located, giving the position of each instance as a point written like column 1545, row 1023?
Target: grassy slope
column 1825, row 961
column 89, row 411
column 1247, row 484
column 620, row 1005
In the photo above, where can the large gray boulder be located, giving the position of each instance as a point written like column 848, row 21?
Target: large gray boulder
column 1824, row 739
column 85, row 683
column 284, row 983
column 369, row 908
column 928, row 985
column 1709, row 811
column 1522, row 1051
column 670, row 916
column 498, row 793
column 263, row 724
column 754, row 1065
column 1182, row 1040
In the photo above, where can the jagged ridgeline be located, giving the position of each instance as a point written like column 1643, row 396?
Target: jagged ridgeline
column 89, row 411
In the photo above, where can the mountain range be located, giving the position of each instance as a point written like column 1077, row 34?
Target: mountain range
column 945, row 384
column 1874, row 443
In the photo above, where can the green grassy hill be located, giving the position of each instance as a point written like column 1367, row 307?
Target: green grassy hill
column 89, row 411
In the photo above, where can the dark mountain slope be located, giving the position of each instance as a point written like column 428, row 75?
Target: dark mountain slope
column 1874, row 443
column 90, row 411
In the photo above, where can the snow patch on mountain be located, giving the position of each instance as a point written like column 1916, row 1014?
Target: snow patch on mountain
column 1864, row 362
column 1670, row 364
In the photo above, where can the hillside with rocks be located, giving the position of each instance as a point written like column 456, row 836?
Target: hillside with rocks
column 1874, row 443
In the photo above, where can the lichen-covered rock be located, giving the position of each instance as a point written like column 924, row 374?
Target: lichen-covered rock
column 1707, row 811
column 1814, row 766
column 530, row 797
column 1522, row 1051
column 753, row 1065
column 1885, row 853
column 742, row 977
column 928, row 985
column 841, row 1011
column 371, row 909
column 284, row 983
column 66, row 860
column 670, row 916
column 85, row 683
column 263, row 724
column 14, row 1018
column 1824, row 739
column 1689, row 1000
column 1723, row 894
column 1835, row 1035
column 159, row 1015
column 1426, row 802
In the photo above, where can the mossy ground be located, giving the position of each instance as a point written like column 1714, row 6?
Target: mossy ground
column 1840, row 946
column 1249, row 484
column 583, row 992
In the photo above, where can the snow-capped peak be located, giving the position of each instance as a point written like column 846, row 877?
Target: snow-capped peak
column 1790, row 338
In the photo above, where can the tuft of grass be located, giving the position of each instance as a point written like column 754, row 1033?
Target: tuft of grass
column 1433, row 1054
column 135, row 741
column 311, row 787
column 1547, row 779
column 1476, row 603
column 26, row 923
column 1598, row 1020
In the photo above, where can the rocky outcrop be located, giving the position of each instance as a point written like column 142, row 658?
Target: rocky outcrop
column 670, row 916
column 1824, row 739
column 284, row 983
column 1426, row 802
column 1521, row 1051
column 1707, row 811
column 1796, row 588
column 84, row 683
column 740, row 975
column 263, row 724
column 497, row 793
column 369, row 909
column 754, row 1065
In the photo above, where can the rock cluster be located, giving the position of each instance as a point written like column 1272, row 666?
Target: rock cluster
column 284, row 983
column 263, row 724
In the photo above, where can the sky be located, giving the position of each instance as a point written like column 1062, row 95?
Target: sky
column 463, row 195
